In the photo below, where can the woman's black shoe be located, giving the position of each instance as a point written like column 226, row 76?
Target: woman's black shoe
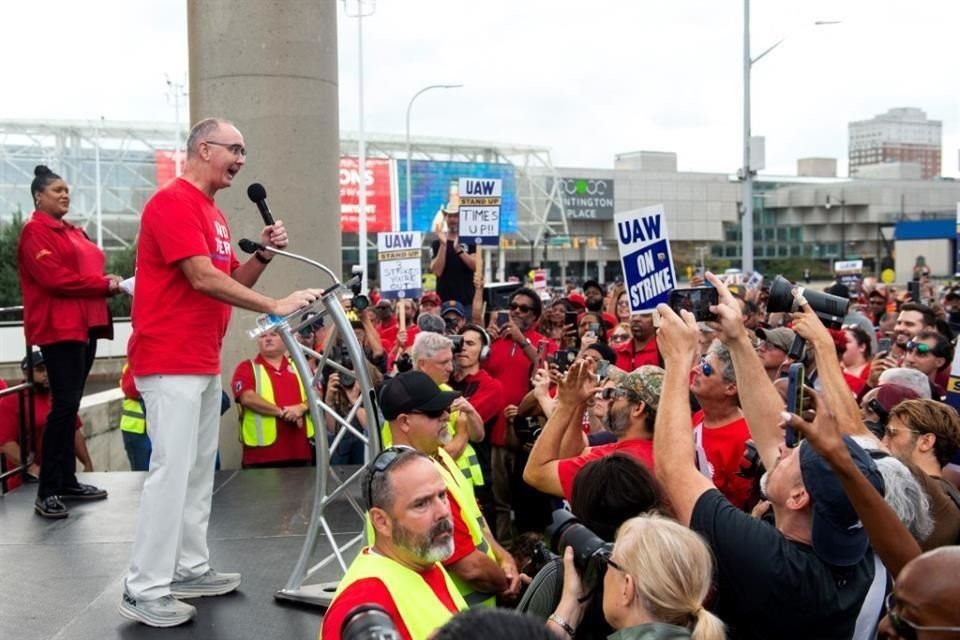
column 51, row 507
column 82, row 492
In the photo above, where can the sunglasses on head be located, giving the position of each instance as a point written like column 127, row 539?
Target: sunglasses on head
column 903, row 627
column 380, row 465
column 919, row 347
column 522, row 308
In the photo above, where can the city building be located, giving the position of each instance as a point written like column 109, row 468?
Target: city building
column 899, row 135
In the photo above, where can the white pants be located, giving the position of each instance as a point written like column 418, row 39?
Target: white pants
column 183, row 420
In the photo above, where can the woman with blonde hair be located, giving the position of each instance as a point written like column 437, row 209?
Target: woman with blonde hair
column 657, row 578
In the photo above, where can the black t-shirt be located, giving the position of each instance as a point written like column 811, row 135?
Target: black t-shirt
column 456, row 281
column 771, row 587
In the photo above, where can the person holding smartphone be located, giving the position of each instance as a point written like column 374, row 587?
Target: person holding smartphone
column 513, row 354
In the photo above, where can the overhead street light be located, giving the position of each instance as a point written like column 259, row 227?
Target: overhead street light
column 746, row 172
column 409, row 215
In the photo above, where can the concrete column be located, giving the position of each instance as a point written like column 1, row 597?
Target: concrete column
column 270, row 66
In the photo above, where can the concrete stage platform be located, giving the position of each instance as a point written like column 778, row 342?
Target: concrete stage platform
column 61, row 579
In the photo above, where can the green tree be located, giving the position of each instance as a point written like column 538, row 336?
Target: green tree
column 9, row 282
column 122, row 263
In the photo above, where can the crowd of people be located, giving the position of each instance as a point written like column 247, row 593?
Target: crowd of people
column 703, row 508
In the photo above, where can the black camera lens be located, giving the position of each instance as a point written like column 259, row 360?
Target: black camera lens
column 590, row 552
column 368, row 622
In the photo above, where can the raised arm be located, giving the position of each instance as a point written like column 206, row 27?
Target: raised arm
column 759, row 399
column 673, row 446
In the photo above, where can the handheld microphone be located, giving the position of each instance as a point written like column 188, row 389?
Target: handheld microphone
column 258, row 195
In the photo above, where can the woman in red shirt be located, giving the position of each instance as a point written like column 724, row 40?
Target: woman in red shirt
column 65, row 313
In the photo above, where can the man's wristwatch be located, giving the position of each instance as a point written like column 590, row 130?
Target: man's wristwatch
column 261, row 259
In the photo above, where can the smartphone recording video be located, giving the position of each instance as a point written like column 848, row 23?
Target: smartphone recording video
column 697, row 301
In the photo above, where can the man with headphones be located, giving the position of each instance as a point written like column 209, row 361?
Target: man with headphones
column 485, row 393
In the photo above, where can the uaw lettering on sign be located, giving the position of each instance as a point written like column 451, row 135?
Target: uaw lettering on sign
column 399, row 257
column 645, row 256
column 480, row 200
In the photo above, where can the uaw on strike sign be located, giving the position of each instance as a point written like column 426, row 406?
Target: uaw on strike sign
column 645, row 256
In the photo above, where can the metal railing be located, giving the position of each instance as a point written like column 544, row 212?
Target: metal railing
column 25, row 439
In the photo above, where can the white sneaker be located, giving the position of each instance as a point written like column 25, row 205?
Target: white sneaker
column 210, row 583
column 163, row 612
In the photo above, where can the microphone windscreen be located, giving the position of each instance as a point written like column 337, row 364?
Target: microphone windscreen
column 256, row 192
column 249, row 246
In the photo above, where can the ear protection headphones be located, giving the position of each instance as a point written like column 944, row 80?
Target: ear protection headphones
column 484, row 337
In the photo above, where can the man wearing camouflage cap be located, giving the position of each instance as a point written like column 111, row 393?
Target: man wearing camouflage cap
column 560, row 451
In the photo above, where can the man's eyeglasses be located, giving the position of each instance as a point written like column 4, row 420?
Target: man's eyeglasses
column 433, row 415
column 236, row 149
column 380, row 465
column 522, row 308
column 892, row 431
column 919, row 347
column 706, row 368
column 903, row 627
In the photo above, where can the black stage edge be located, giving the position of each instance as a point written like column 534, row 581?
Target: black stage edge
column 61, row 579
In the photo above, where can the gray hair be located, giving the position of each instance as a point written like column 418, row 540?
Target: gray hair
column 723, row 355
column 201, row 130
column 910, row 378
column 903, row 491
column 428, row 344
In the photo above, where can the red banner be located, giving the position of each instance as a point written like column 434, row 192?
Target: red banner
column 379, row 203
column 167, row 165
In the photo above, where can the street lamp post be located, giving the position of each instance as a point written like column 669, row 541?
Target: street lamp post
column 409, row 215
column 746, row 172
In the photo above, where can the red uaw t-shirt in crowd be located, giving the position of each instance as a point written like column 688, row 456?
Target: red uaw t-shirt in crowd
column 509, row 364
column 373, row 591
column 724, row 447
column 179, row 222
column 629, row 360
column 291, row 443
column 567, row 470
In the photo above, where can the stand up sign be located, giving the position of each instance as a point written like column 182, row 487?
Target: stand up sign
column 400, row 264
column 480, row 210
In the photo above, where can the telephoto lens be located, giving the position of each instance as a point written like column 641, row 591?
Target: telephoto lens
column 368, row 622
column 590, row 552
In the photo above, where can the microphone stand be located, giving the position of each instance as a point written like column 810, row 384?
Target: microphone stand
column 328, row 304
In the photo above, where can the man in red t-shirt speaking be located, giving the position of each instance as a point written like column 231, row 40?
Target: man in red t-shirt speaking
column 187, row 280
column 409, row 509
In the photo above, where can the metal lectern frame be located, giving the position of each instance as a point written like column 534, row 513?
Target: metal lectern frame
column 327, row 306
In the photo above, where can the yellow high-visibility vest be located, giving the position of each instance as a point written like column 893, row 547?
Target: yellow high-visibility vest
column 420, row 608
column 468, row 462
column 258, row 430
column 132, row 417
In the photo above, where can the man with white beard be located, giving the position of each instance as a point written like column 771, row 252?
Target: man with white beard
column 402, row 572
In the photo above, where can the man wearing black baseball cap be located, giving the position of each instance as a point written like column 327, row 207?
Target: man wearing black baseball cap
column 418, row 411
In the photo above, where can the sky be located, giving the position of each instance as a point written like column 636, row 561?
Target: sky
column 587, row 79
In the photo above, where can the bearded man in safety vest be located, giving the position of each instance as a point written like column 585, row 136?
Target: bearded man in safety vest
column 419, row 411
column 275, row 425
column 409, row 510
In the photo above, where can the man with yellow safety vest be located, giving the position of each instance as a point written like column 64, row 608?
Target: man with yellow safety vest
column 433, row 355
column 401, row 572
column 275, row 425
column 418, row 412
column 133, row 423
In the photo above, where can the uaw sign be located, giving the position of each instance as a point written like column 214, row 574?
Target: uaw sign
column 645, row 256
column 583, row 198
column 480, row 210
column 400, row 264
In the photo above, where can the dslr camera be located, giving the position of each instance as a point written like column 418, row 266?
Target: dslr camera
column 590, row 552
column 368, row 622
